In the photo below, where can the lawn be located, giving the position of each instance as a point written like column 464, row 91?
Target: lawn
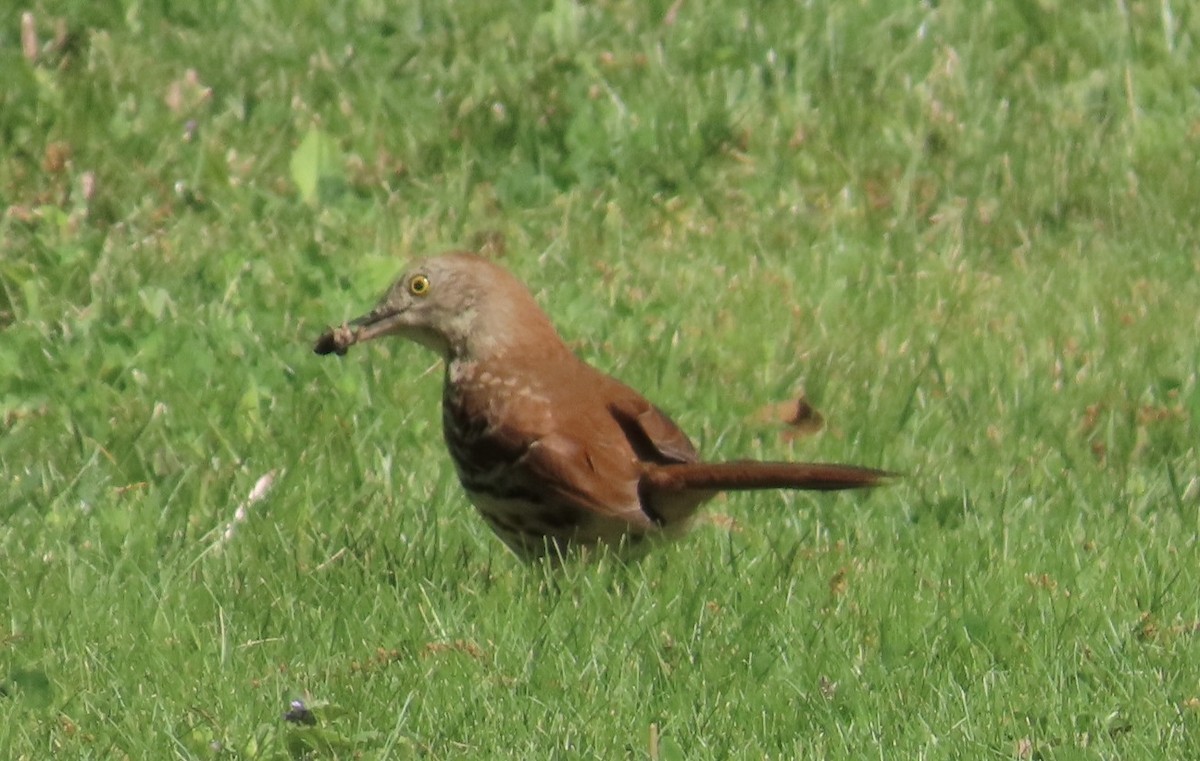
column 965, row 232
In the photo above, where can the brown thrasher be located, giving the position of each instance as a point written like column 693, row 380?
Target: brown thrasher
column 553, row 453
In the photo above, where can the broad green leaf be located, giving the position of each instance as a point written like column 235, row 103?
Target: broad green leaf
column 316, row 167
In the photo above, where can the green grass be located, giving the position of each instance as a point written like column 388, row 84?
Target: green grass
column 967, row 230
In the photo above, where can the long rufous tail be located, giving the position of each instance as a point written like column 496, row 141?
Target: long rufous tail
column 748, row 475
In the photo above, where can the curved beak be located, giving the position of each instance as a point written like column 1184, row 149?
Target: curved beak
column 380, row 321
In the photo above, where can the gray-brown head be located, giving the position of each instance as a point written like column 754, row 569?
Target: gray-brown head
column 459, row 304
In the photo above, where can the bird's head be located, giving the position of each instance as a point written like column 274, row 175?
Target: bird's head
column 461, row 305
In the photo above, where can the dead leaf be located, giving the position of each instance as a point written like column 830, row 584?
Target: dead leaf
column 798, row 414
column 187, row 93
column 722, row 522
column 56, row 157
column 1091, row 418
column 827, row 686
column 838, row 583
column 1024, row 748
column 672, row 14
column 489, row 243
column 1148, row 414
column 1041, row 581
column 30, row 48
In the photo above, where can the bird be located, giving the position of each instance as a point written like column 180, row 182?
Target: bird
column 558, row 457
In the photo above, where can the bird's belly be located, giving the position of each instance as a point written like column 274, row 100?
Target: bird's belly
column 538, row 527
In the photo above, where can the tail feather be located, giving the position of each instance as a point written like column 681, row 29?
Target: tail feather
column 748, row 475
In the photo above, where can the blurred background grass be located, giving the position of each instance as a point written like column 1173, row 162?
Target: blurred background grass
column 965, row 231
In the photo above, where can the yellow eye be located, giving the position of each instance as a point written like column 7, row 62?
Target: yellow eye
column 419, row 285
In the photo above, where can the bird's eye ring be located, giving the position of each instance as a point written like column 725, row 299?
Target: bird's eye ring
column 419, row 285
